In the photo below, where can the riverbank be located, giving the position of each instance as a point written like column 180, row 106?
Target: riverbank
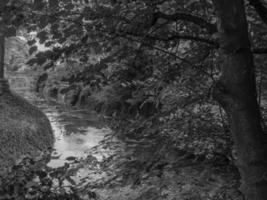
column 24, row 129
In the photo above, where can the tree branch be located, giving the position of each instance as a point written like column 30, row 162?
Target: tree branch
column 186, row 37
column 173, row 37
column 187, row 62
column 212, row 28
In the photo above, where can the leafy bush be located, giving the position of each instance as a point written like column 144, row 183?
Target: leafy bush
column 31, row 178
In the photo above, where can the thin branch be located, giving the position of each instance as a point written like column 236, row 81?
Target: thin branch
column 171, row 54
column 176, row 37
column 212, row 28
column 186, row 37
column 173, row 37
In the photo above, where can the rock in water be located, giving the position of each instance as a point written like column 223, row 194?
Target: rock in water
column 24, row 129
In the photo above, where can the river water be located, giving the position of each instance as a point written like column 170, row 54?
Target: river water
column 76, row 132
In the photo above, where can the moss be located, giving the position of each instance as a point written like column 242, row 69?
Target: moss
column 24, row 129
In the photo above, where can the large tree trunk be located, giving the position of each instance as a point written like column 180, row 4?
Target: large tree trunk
column 236, row 92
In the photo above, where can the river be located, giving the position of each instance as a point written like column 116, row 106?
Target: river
column 78, row 134
column 76, row 131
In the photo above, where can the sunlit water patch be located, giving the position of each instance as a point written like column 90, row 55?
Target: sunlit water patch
column 72, row 141
column 76, row 132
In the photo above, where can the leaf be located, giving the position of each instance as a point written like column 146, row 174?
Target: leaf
column 70, row 180
column 43, row 22
column 70, row 158
column 32, row 50
column 43, row 36
column 31, row 42
column 48, row 44
column 41, row 60
column 69, row 6
column 30, row 184
column 62, row 40
column 92, row 195
column 84, row 39
column 83, row 59
column 54, row 28
column 190, row 2
column 31, row 62
column 41, row 174
column 39, row 4
column 53, row 4
column 32, row 28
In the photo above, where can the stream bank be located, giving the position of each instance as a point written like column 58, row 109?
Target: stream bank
column 24, row 129
column 76, row 131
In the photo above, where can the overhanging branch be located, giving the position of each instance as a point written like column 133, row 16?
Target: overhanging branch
column 213, row 43
column 173, row 37
column 186, row 37
column 212, row 28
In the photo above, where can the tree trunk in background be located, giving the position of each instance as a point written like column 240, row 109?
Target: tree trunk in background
column 236, row 92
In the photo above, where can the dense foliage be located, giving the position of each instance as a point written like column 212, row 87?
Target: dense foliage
column 148, row 64
column 32, row 179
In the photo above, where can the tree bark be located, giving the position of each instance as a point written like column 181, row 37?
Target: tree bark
column 236, row 92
